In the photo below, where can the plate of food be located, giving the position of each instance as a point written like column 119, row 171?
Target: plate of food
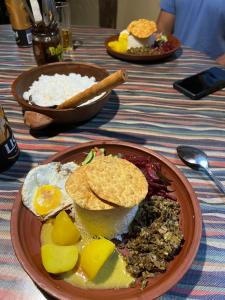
column 141, row 41
column 106, row 219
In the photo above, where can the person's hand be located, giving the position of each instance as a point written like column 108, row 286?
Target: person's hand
column 221, row 60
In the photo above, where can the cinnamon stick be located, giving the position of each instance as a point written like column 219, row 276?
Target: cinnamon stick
column 102, row 86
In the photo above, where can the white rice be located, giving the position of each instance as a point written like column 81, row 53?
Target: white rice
column 53, row 90
column 134, row 42
column 111, row 223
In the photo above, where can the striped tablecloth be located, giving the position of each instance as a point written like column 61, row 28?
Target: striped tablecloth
column 145, row 110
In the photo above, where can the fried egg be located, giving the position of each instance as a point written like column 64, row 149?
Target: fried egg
column 43, row 191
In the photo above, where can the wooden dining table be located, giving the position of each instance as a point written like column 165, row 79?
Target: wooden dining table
column 146, row 110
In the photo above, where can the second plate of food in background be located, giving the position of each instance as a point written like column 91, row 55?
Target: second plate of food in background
column 142, row 56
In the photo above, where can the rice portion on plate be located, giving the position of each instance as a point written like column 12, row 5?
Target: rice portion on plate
column 53, row 90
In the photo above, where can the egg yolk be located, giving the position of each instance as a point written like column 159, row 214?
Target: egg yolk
column 46, row 199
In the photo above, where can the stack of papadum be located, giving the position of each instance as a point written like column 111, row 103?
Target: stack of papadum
column 142, row 28
column 107, row 182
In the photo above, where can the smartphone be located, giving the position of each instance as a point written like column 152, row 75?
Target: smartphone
column 201, row 84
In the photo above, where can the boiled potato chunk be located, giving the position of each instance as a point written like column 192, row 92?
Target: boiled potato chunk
column 59, row 259
column 64, row 231
column 94, row 255
column 46, row 233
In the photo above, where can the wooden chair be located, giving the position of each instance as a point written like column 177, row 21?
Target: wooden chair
column 108, row 13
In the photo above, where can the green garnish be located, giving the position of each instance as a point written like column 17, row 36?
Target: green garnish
column 88, row 158
column 92, row 154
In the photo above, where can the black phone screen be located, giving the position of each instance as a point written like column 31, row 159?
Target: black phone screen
column 202, row 83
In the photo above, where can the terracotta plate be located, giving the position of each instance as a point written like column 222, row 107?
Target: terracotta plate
column 25, row 232
column 132, row 57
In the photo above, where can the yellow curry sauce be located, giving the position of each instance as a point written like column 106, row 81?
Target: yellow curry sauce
column 112, row 275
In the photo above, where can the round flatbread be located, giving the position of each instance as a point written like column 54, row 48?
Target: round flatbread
column 132, row 24
column 117, row 181
column 78, row 189
column 142, row 28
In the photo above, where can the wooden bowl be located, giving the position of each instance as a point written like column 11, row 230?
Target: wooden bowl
column 175, row 43
column 71, row 115
column 25, row 232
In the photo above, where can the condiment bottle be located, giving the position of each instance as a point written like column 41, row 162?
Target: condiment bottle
column 47, row 44
column 9, row 151
column 20, row 22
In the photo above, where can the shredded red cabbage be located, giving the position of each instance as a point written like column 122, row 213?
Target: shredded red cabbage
column 158, row 183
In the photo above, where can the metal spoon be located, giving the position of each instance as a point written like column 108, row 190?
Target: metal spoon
column 197, row 160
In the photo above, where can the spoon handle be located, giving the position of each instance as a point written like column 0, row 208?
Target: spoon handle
column 216, row 180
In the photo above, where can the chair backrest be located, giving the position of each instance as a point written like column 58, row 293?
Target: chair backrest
column 108, row 13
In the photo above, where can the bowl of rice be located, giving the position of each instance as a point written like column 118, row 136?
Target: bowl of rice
column 42, row 88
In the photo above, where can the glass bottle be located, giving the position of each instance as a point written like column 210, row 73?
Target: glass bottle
column 20, row 22
column 9, row 151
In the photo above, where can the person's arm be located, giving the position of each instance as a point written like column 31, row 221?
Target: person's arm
column 221, row 59
column 165, row 22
